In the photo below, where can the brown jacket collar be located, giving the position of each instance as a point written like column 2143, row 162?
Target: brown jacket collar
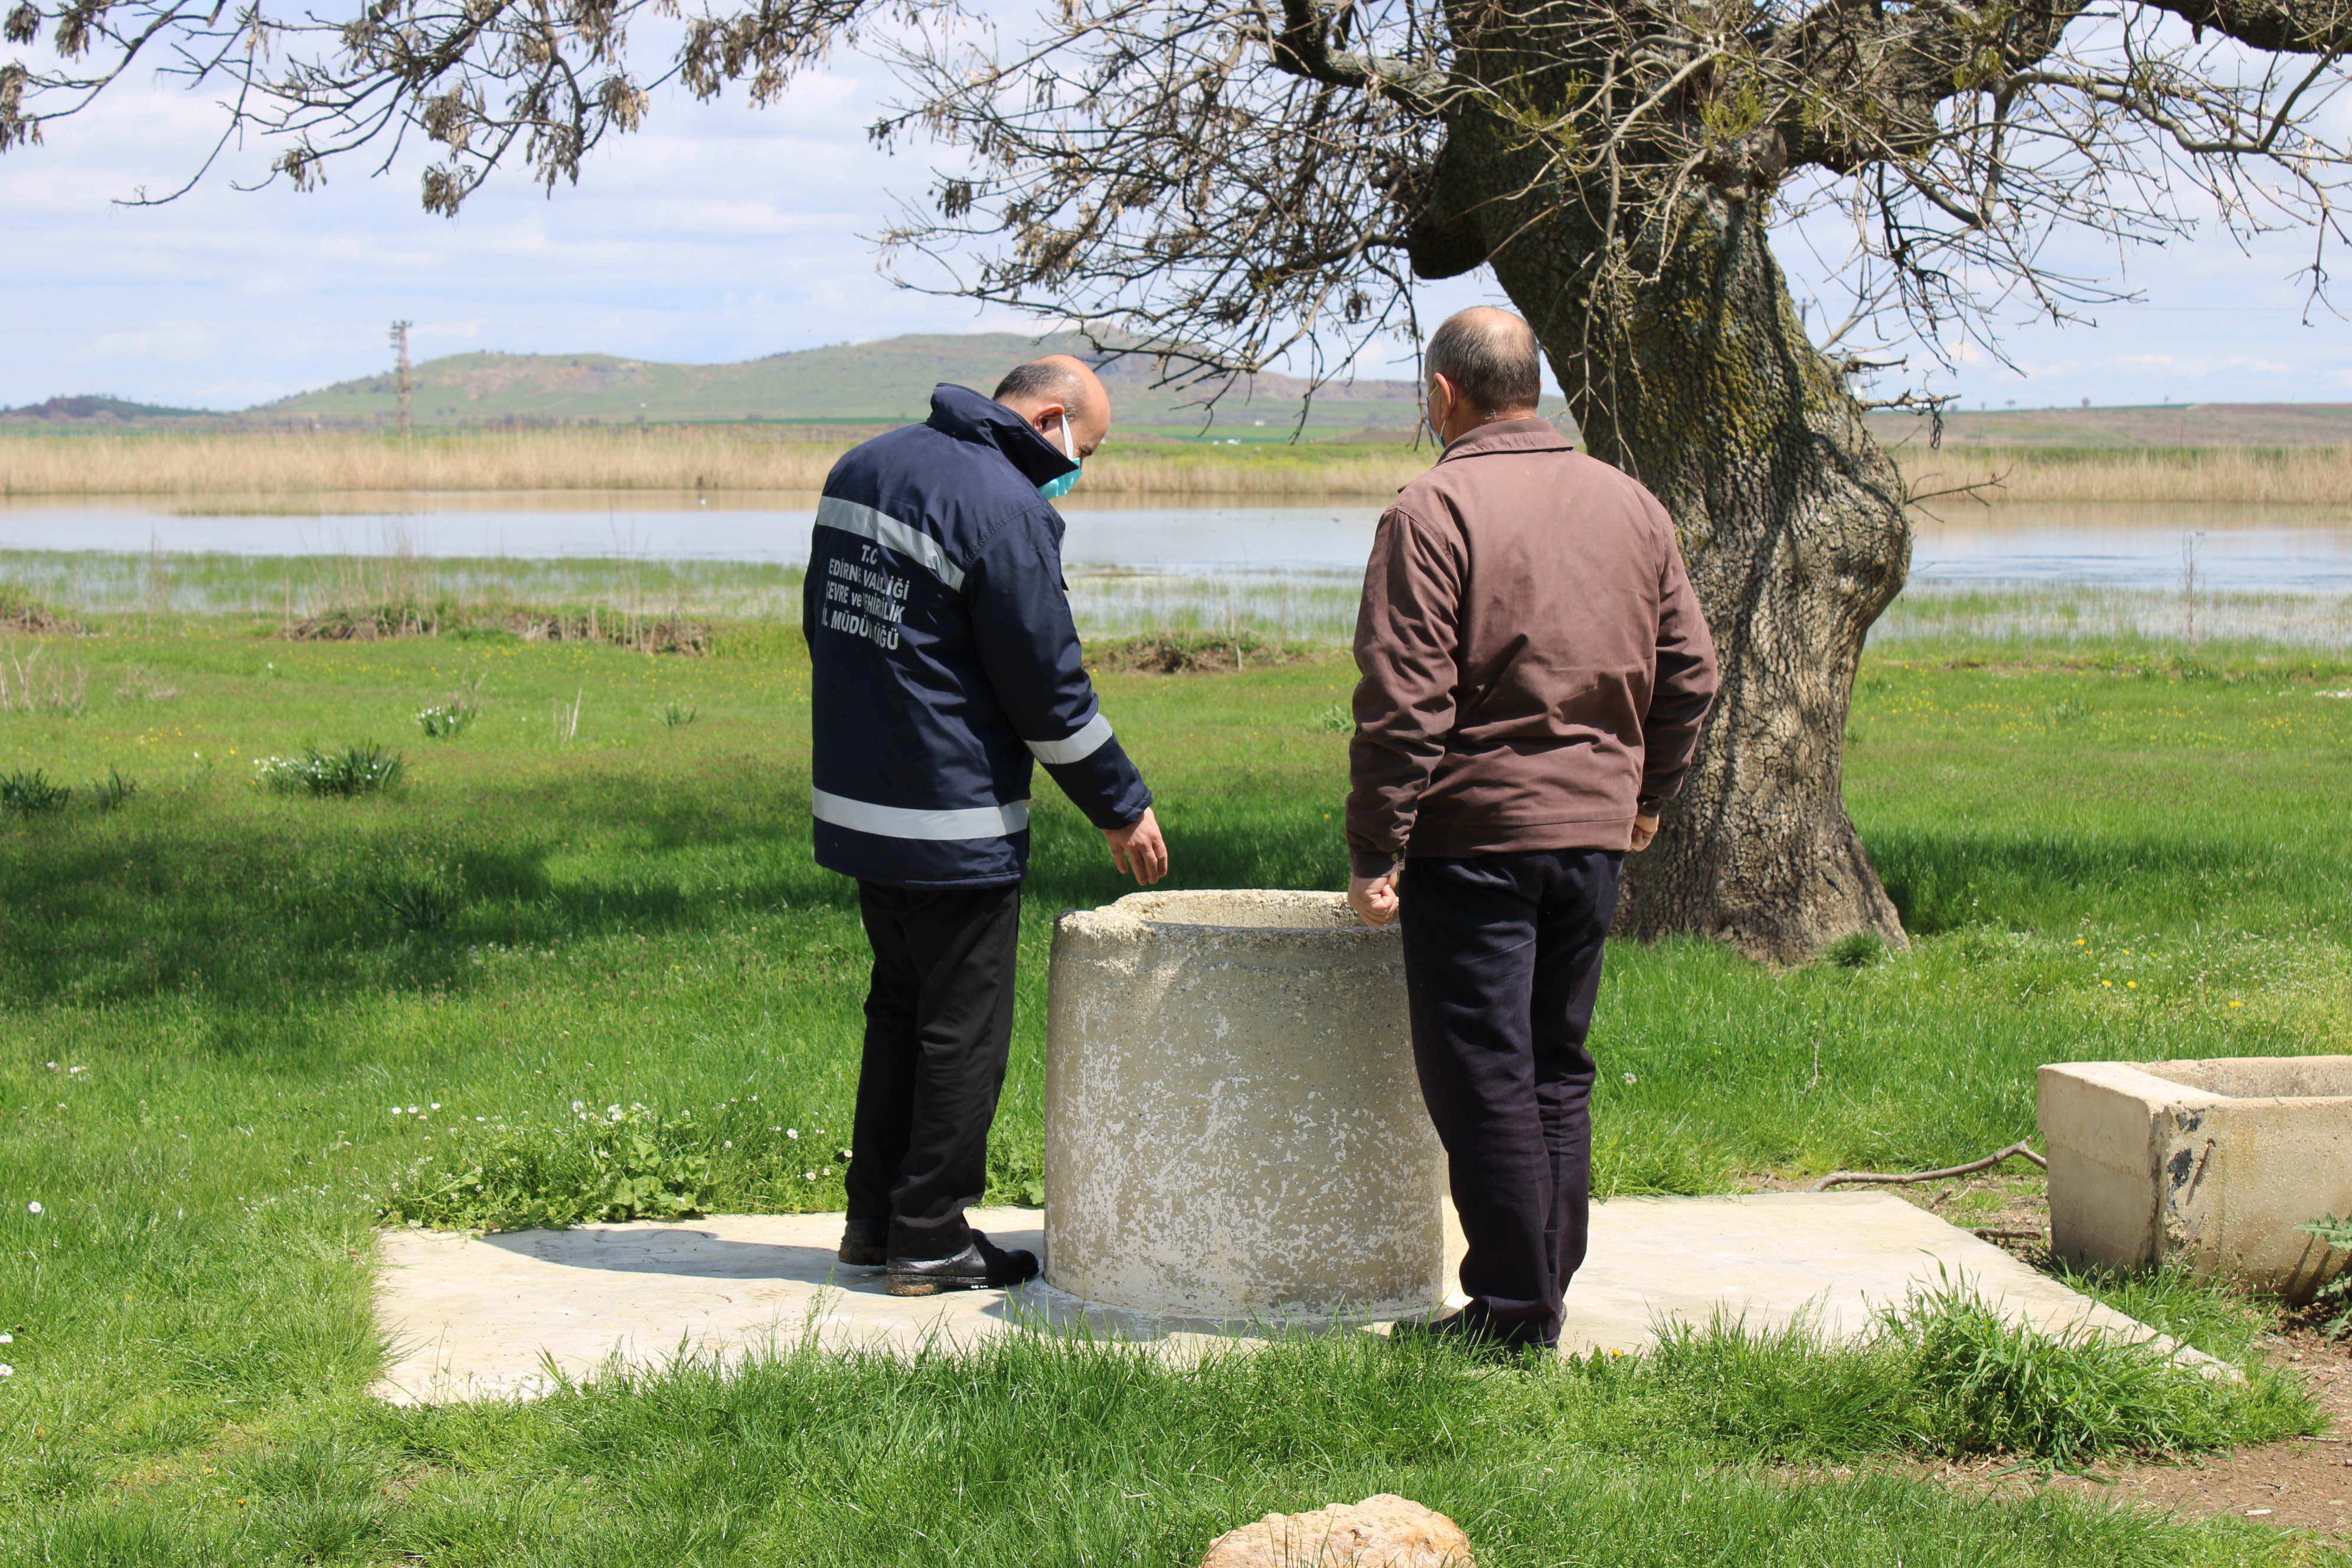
column 1529, row 434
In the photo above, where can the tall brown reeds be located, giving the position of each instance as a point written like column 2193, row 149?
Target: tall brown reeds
column 2304, row 476
column 260, row 464
column 290, row 466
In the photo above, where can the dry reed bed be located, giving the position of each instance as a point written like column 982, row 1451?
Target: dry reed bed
column 2296, row 476
column 659, row 459
column 609, row 460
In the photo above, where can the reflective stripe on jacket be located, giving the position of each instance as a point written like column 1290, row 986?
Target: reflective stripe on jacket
column 944, row 661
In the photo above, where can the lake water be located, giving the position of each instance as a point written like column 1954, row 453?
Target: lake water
column 2112, row 545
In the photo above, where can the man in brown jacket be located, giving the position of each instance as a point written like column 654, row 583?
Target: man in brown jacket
column 1535, row 672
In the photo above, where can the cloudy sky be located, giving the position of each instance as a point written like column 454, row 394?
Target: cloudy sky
column 724, row 233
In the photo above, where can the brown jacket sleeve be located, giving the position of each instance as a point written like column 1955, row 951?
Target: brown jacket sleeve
column 1686, row 680
column 1406, row 632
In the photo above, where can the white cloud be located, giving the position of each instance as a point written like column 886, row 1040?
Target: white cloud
column 722, row 232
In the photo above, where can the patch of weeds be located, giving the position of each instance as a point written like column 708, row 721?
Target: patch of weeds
column 1193, row 653
column 1339, row 719
column 31, row 794
column 418, row 905
column 2336, row 1296
column 446, row 719
column 20, row 612
column 1980, row 1384
column 2168, row 1300
column 617, row 1163
column 1016, row 1176
column 113, row 791
column 363, row 769
column 2067, row 710
column 674, row 715
column 29, row 686
column 1861, row 950
column 1945, row 1375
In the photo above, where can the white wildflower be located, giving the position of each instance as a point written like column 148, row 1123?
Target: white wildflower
column 6, row 1371
column 1630, row 1079
column 32, row 1208
column 791, row 1132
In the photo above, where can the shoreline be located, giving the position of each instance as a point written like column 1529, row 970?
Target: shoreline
column 270, row 468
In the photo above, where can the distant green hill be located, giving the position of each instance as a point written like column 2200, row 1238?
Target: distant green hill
column 91, row 408
column 887, row 382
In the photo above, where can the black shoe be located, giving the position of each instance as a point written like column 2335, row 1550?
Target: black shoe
column 865, row 1243
column 1475, row 1332
column 981, row 1266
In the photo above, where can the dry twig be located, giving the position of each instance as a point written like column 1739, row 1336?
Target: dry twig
column 2019, row 1150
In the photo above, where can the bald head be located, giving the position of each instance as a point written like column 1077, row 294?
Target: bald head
column 1490, row 361
column 1047, row 391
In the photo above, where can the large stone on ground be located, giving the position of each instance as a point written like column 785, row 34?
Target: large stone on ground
column 1382, row 1531
column 2214, row 1162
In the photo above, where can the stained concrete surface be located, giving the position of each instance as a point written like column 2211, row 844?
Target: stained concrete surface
column 498, row 1315
column 1232, row 1115
column 2216, row 1162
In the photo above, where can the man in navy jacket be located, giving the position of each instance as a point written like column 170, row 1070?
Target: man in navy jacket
column 945, row 664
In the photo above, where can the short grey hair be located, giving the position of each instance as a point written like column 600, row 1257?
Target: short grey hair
column 1490, row 355
column 1042, row 381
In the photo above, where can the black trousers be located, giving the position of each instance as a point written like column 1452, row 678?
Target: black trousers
column 939, row 1026
column 1502, row 963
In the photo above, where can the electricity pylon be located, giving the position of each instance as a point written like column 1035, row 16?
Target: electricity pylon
column 400, row 371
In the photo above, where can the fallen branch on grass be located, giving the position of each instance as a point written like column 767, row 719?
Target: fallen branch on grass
column 2015, row 1151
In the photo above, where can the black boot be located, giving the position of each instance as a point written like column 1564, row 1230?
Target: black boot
column 865, row 1243
column 981, row 1266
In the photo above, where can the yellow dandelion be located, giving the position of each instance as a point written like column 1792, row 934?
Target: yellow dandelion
column 2108, row 983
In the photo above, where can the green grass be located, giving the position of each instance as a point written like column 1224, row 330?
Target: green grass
column 2098, row 858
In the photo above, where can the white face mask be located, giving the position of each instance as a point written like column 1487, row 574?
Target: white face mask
column 1055, row 489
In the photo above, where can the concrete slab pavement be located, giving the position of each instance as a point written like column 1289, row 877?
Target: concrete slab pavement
column 494, row 1316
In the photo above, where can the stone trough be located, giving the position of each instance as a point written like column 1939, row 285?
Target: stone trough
column 2214, row 1162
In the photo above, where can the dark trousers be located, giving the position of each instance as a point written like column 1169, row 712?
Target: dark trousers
column 1502, row 963
column 939, row 1026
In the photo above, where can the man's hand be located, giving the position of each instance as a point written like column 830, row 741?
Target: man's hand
column 1138, row 847
column 1644, row 829
column 1374, row 897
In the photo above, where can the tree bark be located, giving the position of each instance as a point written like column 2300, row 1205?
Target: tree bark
column 1702, row 382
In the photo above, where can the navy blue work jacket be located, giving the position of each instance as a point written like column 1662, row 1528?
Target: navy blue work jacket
column 943, row 654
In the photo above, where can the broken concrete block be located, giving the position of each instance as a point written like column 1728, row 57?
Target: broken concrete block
column 2214, row 1162
column 1234, row 1128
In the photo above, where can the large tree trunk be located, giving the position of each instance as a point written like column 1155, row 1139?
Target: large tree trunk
column 1701, row 382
